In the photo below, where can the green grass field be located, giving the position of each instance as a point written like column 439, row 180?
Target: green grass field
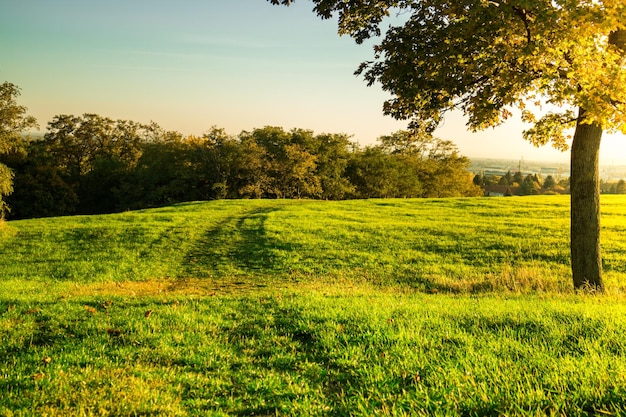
column 279, row 307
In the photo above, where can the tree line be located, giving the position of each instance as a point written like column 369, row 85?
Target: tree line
column 92, row 164
column 517, row 184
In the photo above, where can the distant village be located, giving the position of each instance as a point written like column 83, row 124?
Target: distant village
column 500, row 177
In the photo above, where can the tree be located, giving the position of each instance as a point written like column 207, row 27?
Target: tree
column 13, row 122
column 94, row 153
column 487, row 57
column 289, row 164
column 549, row 183
column 333, row 154
column 507, row 179
column 40, row 189
column 441, row 170
column 164, row 174
column 444, row 172
column 376, row 173
column 479, row 180
column 220, row 153
column 252, row 179
column 529, row 185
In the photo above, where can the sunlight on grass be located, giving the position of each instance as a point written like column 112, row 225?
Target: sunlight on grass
column 455, row 245
column 379, row 307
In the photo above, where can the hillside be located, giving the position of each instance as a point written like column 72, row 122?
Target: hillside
column 282, row 307
column 448, row 245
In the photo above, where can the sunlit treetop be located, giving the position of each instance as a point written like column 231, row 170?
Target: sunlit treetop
column 487, row 57
column 13, row 118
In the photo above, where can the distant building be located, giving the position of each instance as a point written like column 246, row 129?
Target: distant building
column 500, row 190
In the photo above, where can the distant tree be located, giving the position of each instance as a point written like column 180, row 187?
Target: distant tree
column 300, row 179
column 564, row 183
column 489, row 179
column 529, row 185
column 377, row 174
column 549, row 183
column 442, row 172
column 219, row 154
column 445, row 172
column 40, row 189
column 290, row 166
column 506, row 179
column 163, row 174
column 13, row 122
column 414, row 143
column 333, row 152
column 400, row 160
column 620, row 188
column 253, row 178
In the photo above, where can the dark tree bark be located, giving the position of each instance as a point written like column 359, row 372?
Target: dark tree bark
column 585, row 207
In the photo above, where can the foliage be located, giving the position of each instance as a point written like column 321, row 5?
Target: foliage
column 93, row 164
column 13, row 122
column 484, row 57
column 13, row 118
column 378, row 174
column 290, row 166
column 609, row 187
column 93, row 153
column 333, row 156
column 549, row 183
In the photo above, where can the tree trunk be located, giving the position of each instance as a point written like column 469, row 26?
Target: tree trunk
column 585, row 207
column 585, row 189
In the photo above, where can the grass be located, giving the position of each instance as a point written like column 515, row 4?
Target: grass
column 379, row 307
column 457, row 245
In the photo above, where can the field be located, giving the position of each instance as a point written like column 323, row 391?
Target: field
column 280, row 307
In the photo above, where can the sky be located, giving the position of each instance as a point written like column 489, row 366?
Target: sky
column 189, row 65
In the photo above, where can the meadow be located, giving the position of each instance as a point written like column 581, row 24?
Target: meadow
column 283, row 307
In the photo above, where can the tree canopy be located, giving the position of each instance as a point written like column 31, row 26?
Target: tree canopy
column 93, row 164
column 486, row 57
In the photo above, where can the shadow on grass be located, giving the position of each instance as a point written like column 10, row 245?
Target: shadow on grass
column 240, row 245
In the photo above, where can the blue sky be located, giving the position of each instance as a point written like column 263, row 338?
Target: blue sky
column 192, row 64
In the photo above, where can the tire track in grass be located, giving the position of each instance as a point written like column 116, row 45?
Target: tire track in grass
column 238, row 248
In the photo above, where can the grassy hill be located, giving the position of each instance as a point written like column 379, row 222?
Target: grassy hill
column 264, row 307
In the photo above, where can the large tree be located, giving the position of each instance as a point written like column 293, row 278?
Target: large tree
column 488, row 57
column 13, row 122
